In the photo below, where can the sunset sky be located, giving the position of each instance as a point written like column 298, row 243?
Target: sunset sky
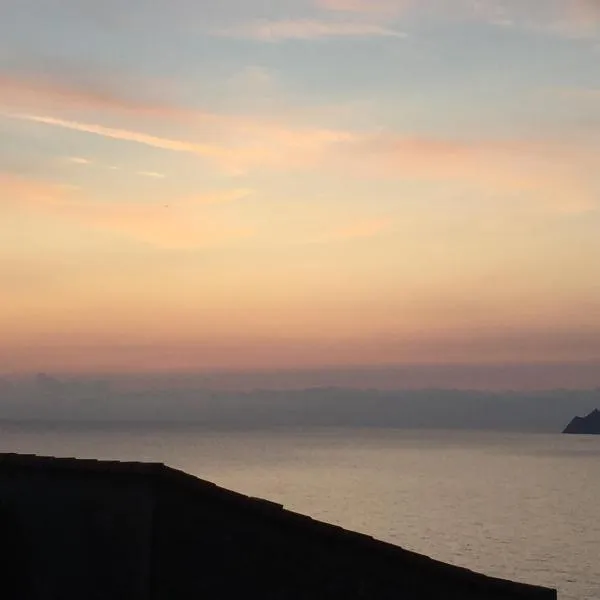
column 264, row 184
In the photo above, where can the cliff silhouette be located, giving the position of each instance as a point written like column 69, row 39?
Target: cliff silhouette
column 590, row 424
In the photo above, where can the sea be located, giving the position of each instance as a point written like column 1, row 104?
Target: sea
column 520, row 506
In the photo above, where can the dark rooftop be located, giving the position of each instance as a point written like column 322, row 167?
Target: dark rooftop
column 254, row 508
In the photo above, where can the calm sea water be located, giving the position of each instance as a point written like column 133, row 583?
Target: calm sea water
column 520, row 506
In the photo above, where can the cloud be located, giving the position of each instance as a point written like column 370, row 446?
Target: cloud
column 571, row 18
column 151, row 174
column 178, row 224
column 553, row 175
column 205, row 150
column 306, row 29
column 221, row 198
column 580, row 93
column 81, row 161
column 584, row 11
column 258, row 142
column 21, row 191
column 567, row 18
column 236, row 143
column 28, row 93
column 168, row 227
column 550, row 172
column 386, row 7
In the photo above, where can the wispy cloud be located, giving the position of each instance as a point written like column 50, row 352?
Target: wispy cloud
column 258, row 142
column 241, row 143
column 234, row 195
column 573, row 18
column 372, row 7
column 84, row 162
column 226, row 158
column 22, row 191
column 306, row 29
column 237, row 143
column 29, row 92
column 79, row 160
column 178, row 224
column 580, row 93
column 129, row 136
column 552, row 176
column 151, row 174
column 165, row 226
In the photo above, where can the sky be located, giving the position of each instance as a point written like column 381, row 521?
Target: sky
column 188, row 185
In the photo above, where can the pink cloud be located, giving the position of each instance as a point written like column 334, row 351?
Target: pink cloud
column 235, row 143
column 365, row 6
column 306, row 29
column 553, row 175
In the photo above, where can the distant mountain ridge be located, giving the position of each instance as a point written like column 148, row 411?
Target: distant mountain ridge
column 589, row 425
column 47, row 398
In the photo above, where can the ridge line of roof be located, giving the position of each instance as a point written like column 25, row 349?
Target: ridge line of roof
column 264, row 508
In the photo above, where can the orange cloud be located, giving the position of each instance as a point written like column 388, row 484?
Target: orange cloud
column 18, row 191
column 176, row 225
column 166, row 227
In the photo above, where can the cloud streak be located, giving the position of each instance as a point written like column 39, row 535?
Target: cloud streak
column 26, row 92
column 572, row 18
column 550, row 172
column 125, row 135
column 257, row 142
column 306, row 29
column 182, row 224
column 369, row 7
column 236, row 143
column 20, row 191
column 552, row 175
